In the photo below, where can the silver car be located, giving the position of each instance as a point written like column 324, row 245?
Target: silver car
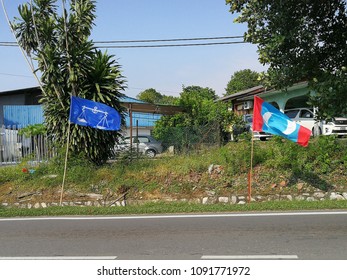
column 144, row 144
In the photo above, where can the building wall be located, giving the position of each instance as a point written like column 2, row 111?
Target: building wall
column 18, row 99
column 22, row 115
column 294, row 97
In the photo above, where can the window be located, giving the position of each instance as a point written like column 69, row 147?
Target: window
column 292, row 114
column 306, row 114
column 143, row 139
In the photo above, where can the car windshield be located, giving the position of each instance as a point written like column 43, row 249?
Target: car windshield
column 292, row 114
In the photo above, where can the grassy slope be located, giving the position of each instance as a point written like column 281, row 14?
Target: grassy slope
column 279, row 167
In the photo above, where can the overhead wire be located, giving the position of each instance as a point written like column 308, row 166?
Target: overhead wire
column 114, row 43
column 169, row 40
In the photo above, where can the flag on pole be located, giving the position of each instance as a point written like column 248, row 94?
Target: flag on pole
column 268, row 119
column 94, row 114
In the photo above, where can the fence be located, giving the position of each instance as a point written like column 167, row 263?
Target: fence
column 192, row 138
column 15, row 147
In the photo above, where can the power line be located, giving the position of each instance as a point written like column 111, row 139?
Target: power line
column 169, row 40
column 15, row 75
column 169, row 45
column 115, row 42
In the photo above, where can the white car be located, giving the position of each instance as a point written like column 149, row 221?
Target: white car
column 337, row 126
column 305, row 117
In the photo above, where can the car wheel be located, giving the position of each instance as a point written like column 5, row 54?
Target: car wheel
column 151, row 153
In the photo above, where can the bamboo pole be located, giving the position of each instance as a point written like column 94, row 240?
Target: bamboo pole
column 250, row 174
column 65, row 164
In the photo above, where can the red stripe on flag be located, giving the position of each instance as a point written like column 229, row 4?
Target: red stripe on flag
column 257, row 117
column 304, row 135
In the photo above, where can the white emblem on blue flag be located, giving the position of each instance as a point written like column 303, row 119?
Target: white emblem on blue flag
column 94, row 114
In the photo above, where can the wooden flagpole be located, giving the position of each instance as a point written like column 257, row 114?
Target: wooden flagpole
column 74, row 94
column 250, row 174
column 65, row 164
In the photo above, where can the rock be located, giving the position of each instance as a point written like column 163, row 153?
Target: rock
column 233, row 199
column 50, row 176
column 289, row 197
column 205, row 200
column 336, row 196
column 242, row 202
column 210, row 169
column 23, row 195
column 318, row 195
column 283, row 183
column 299, row 186
column 43, row 205
column 310, row 199
column 215, row 169
column 223, row 199
column 299, row 197
column 344, row 194
column 210, row 193
column 88, row 203
column 37, row 205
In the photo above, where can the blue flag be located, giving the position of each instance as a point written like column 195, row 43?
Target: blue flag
column 94, row 114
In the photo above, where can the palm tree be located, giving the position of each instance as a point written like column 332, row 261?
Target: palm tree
column 70, row 65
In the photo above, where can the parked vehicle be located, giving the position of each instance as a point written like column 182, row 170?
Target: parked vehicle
column 336, row 126
column 262, row 136
column 246, row 127
column 305, row 117
column 144, row 144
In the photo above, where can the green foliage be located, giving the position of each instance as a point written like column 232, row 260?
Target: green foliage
column 204, row 120
column 70, row 65
column 301, row 40
column 150, row 95
column 33, row 130
column 241, row 80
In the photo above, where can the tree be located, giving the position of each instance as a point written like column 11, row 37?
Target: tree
column 197, row 102
column 203, row 118
column 242, row 80
column 150, row 95
column 301, row 40
column 70, row 65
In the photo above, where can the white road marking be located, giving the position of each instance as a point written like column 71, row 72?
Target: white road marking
column 61, row 258
column 249, row 257
column 140, row 217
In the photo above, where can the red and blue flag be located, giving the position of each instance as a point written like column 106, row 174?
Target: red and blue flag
column 268, row 119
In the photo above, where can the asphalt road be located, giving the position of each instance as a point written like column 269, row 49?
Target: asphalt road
column 306, row 235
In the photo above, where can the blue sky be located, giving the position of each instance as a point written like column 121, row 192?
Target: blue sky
column 164, row 69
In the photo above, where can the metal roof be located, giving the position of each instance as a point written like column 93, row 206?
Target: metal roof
column 250, row 91
column 130, row 103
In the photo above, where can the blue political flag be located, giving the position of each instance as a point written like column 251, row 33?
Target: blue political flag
column 94, row 114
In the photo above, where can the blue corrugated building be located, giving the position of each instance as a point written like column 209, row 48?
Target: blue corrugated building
column 21, row 108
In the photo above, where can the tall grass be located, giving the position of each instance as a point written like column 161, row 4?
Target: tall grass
column 186, row 173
